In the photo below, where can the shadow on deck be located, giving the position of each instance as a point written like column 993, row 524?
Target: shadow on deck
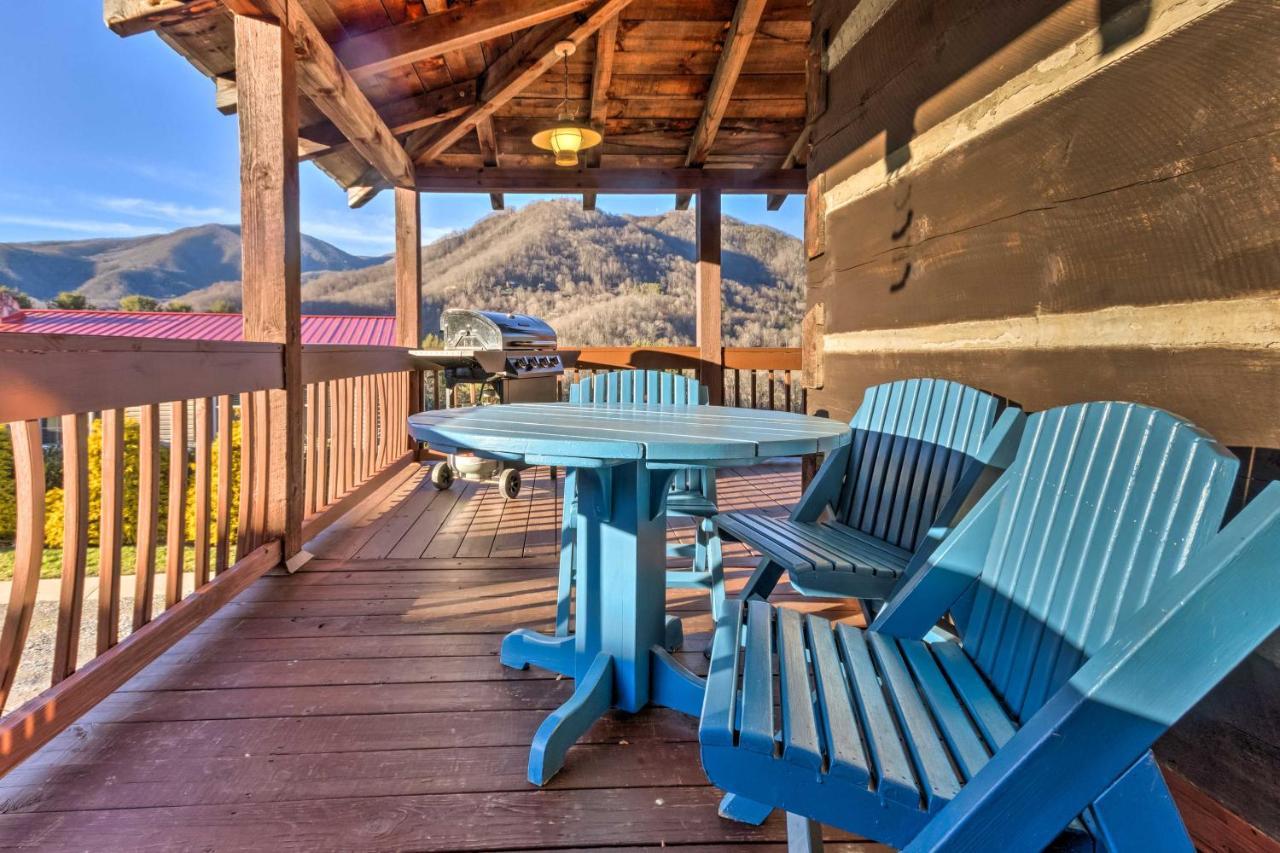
column 359, row 704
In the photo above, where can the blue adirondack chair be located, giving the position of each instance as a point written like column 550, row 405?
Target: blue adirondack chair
column 693, row 490
column 1095, row 606
column 920, row 448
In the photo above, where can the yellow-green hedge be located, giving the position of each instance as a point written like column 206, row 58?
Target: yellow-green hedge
column 53, row 498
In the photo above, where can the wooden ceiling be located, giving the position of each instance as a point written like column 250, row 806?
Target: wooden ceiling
column 673, row 83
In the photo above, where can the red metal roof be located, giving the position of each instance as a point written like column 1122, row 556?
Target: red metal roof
column 316, row 329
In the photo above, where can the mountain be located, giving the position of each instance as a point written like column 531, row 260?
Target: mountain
column 164, row 266
column 597, row 278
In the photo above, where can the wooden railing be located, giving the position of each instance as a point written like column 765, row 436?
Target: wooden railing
column 169, row 445
column 202, row 411
column 754, row 377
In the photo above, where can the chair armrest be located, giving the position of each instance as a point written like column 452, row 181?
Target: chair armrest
column 824, row 489
column 925, row 596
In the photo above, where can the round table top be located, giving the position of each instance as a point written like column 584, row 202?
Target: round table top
column 583, row 433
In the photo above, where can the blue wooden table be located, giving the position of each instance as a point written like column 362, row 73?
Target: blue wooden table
column 625, row 456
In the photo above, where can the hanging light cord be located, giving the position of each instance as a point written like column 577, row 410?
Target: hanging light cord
column 564, row 105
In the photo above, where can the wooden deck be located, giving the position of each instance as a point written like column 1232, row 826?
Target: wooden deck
column 359, row 705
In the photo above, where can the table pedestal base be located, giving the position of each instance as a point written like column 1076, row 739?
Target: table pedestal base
column 618, row 652
column 671, row 685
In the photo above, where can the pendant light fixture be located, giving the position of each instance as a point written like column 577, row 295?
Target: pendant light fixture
column 567, row 136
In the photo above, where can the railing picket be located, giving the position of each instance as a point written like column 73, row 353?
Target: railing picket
column 175, row 542
column 380, row 422
column 28, row 474
column 204, row 474
column 261, row 467
column 244, row 514
column 75, row 542
column 110, row 529
column 348, row 434
column 338, row 408
column 786, row 388
column 222, row 524
column 357, row 430
column 772, row 385
column 148, row 514
column 320, row 447
column 309, row 466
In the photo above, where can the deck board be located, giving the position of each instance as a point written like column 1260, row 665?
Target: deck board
column 360, row 704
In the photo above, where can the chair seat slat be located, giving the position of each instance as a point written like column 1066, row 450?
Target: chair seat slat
column 894, row 777
column 800, row 725
column 992, row 720
column 938, row 779
column 846, row 756
column 963, row 740
column 758, row 727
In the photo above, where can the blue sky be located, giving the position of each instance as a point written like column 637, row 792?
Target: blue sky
column 112, row 137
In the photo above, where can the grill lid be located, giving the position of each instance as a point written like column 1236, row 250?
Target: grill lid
column 463, row 328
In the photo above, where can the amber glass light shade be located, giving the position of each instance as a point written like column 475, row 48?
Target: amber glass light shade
column 565, row 139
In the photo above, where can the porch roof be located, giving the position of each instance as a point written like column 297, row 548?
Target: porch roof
column 695, row 83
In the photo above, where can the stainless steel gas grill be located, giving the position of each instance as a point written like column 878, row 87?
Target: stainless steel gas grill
column 512, row 357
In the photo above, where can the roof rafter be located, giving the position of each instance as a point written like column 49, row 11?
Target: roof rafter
column 323, row 79
column 130, row 17
column 601, row 76
column 795, row 157
column 489, row 150
column 439, row 32
column 737, row 41
column 532, row 55
column 469, row 63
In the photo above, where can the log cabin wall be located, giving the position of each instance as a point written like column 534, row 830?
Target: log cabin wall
column 1063, row 200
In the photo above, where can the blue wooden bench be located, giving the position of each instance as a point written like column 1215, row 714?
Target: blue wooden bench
column 692, row 495
column 1095, row 604
column 920, row 448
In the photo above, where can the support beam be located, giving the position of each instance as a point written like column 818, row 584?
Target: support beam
column 331, row 88
column 510, row 77
column 408, row 268
column 601, row 77
column 270, row 256
column 708, row 296
column 489, row 150
column 409, row 284
column 553, row 179
column 439, row 32
column 742, row 29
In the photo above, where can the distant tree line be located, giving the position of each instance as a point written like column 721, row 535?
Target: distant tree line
column 70, row 300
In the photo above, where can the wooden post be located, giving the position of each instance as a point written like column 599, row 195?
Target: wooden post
column 268, row 110
column 709, row 297
column 409, row 283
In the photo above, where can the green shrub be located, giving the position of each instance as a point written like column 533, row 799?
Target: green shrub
column 8, row 496
column 54, row 498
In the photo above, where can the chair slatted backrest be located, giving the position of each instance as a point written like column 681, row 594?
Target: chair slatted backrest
column 1104, row 501
column 651, row 387
column 912, row 440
